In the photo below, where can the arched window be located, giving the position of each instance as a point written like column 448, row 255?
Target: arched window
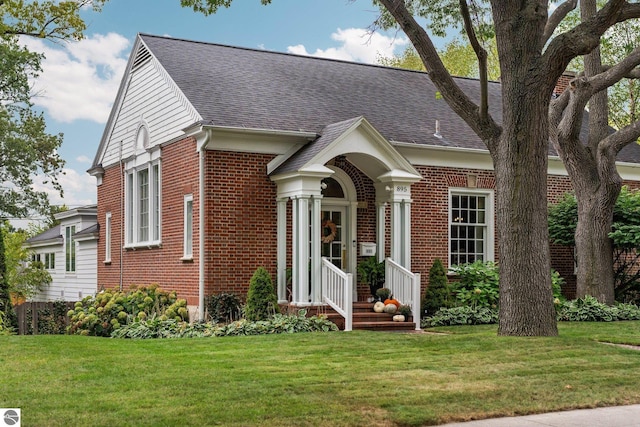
column 142, row 138
column 332, row 188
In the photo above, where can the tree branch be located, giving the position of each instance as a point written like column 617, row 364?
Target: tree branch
column 613, row 74
column 583, row 38
column 619, row 139
column 556, row 17
column 481, row 54
column 459, row 102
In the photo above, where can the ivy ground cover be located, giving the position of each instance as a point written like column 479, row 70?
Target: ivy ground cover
column 340, row 379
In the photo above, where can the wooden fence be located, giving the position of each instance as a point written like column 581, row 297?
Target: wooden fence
column 37, row 318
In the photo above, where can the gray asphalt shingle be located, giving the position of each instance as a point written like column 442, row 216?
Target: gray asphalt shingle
column 232, row 86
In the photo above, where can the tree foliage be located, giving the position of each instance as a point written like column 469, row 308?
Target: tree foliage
column 25, row 278
column 458, row 57
column 26, row 149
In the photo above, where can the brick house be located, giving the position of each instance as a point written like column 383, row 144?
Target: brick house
column 217, row 160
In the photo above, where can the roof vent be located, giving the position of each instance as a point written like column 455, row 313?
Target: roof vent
column 437, row 134
column 142, row 56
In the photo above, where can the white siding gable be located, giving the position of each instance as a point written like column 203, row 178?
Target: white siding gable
column 150, row 97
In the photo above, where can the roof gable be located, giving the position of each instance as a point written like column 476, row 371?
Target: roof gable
column 359, row 142
column 149, row 97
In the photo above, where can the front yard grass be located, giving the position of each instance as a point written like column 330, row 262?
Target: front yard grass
column 339, row 379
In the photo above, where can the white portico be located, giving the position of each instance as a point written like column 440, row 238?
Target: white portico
column 324, row 206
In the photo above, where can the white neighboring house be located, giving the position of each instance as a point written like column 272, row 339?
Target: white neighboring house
column 69, row 253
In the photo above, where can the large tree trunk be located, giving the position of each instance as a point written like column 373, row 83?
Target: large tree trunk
column 526, row 297
column 596, row 192
column 520, row 160
column 594, row 250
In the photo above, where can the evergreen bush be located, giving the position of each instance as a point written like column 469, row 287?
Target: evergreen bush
column 262, row 301
column 437, row 295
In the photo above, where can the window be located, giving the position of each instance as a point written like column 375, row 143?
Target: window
column 50, row 261
column 35, row 258
column 470, row 227
column 70, row 249
column 188, row 226
column 142, row 208
column 107, row 237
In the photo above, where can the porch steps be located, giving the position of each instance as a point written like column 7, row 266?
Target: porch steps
column 364, row 318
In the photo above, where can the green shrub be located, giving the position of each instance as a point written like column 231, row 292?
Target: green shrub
column 478, row 284
column 109, row 310
column 437, row 295
column 262, row 301
column 465, row 315
column 223, row 308
column 5, row 328
column 589, row 309
column 277, row 324
column 159, row 328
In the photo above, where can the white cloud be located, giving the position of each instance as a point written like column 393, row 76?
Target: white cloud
column 83, row 159
column 79, row 80
column 79, row 188
column 356, row 44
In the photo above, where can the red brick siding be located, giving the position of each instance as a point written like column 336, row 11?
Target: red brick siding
column 158, row 265
column 241, row 220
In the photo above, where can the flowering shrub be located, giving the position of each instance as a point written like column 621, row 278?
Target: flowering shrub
column 109, row 310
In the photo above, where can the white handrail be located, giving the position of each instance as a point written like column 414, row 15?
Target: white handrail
column 405, row 287
column 337, row 291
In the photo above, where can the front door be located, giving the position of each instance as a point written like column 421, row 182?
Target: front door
column 334, row 228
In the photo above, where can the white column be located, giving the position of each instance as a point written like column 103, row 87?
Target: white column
column 352, row 245
column 282, row 250
column 316, row 280
column 302, row 239
column 406, row 233
column 294, row 250
column 396, row 230
column 380, row 230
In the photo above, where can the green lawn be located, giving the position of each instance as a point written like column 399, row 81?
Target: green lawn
column 328, row 379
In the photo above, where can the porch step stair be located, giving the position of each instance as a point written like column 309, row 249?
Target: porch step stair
column 364, row 318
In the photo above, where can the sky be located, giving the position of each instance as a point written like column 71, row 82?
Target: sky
column 80, row 80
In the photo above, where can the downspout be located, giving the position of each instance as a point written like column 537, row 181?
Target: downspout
column 201, row 157
column 122, row 216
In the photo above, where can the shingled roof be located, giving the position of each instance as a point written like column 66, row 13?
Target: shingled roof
column 239, row 87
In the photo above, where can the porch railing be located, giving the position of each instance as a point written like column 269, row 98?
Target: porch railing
column 405, row 287
column 337, row 291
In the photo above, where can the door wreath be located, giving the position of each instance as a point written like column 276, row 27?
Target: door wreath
column 328, row 231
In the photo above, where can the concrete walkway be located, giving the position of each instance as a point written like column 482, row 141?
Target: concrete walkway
column 614, row 416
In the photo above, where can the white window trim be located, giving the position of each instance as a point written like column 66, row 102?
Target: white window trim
column 48, row 263
column 147, row 160
column 489, row 247
column 107, row 238
column 187, row 232
column 69, row 231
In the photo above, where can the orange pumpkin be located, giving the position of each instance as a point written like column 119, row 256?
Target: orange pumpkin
column 392, row 301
